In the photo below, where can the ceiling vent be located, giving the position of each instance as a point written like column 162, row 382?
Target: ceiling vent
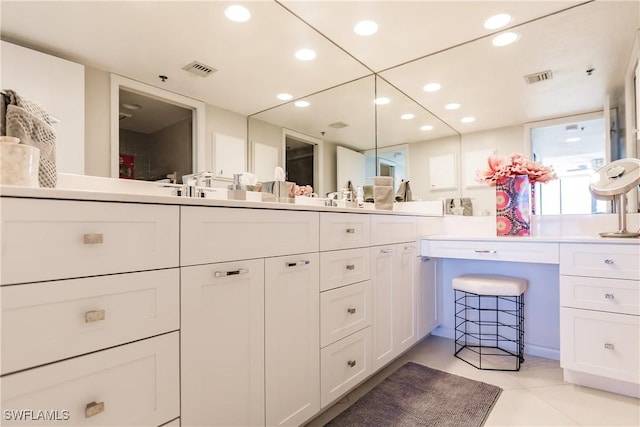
column 538, row 77
column 199, row 69
column 123, row 115
column 338, row 125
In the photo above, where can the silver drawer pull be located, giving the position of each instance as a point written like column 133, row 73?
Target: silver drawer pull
column 351, row 310
column 231, row 272
column 92, row 239
column 351, row 363
column 351, row 267
column 609, row 346
column 93, row 408
column 609, row 296
column 608, row 261
column 386, row 251
column 298, row 263
column 94, row 316
column 485, row 251
column 409, row 248
column 351, row 230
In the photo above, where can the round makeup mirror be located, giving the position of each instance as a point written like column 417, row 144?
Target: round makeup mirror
column 613, row 181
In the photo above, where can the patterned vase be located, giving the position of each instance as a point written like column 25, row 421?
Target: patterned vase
column 513, row 199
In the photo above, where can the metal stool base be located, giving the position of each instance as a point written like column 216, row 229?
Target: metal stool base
column 489, row 331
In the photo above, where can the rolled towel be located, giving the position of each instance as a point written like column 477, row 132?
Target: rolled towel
column 383, row 197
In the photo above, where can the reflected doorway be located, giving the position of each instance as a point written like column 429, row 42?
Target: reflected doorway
column 301, row 160
column 155, row 138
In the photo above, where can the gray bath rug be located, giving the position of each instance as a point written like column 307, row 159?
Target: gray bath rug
column 416, row 395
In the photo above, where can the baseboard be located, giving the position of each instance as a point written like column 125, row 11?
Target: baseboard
column 531, row 349
column 602, row 383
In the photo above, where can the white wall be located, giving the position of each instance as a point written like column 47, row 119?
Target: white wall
column 418, row 166
column 57, row 85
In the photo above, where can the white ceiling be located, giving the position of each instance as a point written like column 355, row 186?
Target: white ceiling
column 145, row 39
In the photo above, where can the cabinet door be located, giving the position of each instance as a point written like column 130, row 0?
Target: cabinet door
column 404, row 282
column 428, row 311
column 292, row 334
column 382, row 259
column 222, row 343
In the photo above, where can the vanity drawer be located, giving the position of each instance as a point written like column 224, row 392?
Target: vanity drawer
column 344, row 231
column 56, row 239
column 229, row 234
column 600, row 343
column 340, row 268
column 344, row 311
column 492, row 250
column 48, row 321
column 344, row 364
column 617, row 261
column 613, row 295
column 387, row 229
column 131, row 385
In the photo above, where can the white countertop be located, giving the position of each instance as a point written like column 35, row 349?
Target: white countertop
column 107, row 196
column 591, row 238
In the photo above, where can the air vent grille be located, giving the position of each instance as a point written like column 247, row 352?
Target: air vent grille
column 538, row 77
column 199, row 69
column 338, row 125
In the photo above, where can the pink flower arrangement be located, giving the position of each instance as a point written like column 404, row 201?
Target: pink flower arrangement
column 501, row 168
column 304, row 190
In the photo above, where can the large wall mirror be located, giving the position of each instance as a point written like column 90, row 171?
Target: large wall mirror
column 568, row 58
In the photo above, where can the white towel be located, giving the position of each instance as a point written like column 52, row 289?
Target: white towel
column 383, row 197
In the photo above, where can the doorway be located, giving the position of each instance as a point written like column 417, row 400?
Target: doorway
column 155, row 138
column 165, row 112
column 303, row 159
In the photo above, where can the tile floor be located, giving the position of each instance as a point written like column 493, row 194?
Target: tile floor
column 534, row 396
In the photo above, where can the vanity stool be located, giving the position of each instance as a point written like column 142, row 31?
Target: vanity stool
column 489, row 316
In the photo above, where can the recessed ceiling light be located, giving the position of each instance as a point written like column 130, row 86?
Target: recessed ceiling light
column 432, row 87
column 382, row 100
column 305, row 55
column 284, row 96
column 497, row 21
column 407, row 116
column 468, row 119
column 505, row 39
column 452, row 106
column 237, row 13
column 301, row 104
column 132, row 107
column 426, row 127
column 365, row 28
column 574, row 139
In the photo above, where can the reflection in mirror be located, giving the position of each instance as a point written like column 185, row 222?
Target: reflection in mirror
column 495, row 114
column 416, row 145
column 576, row 147
column 342, row 116
column 156, row 135
column 155, row 139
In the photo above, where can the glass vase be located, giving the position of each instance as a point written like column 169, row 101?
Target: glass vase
column 513, row 202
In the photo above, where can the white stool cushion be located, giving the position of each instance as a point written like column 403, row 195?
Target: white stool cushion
column 488, row 284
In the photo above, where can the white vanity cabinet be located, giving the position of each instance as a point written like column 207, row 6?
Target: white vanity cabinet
column 292, row 337
column 393, row 278
column 90, row 312
column 346, row 310
column 222, row 342
column 600, row 315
